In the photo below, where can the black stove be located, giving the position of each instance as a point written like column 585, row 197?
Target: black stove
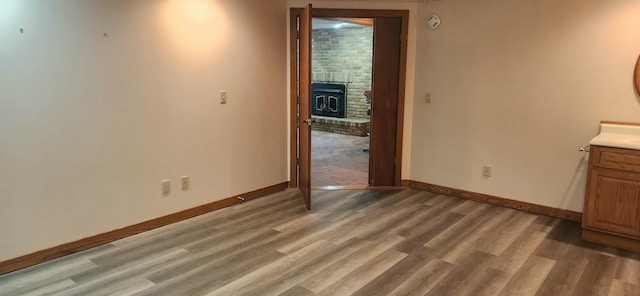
column 328, row 99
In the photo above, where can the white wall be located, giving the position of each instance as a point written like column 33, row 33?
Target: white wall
column 520, row 86
column 90, row 125
column 411, row 57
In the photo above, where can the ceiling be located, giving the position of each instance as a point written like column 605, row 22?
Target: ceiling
column 330, row 23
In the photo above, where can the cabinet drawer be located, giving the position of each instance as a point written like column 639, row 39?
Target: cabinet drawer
column 615, row 158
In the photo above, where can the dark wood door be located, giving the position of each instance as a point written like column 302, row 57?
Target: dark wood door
column 304, row 108
column 387, row 40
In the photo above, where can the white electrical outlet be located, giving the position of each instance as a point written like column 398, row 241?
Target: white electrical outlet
column 427, row 98
column 486, row 171
column 223, row 97
column 166, row 186
column 185, row 182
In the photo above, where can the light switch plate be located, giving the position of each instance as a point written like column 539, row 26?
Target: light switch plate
column 223, row 97
column 166, row 186
column 184, row 180
column 486, row 171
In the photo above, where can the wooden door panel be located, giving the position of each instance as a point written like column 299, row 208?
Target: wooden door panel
column 384, row 105
column 304, row 131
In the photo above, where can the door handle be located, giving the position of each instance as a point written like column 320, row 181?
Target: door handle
column 309, row 121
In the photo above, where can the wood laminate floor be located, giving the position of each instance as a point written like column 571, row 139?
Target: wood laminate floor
column 385, row 242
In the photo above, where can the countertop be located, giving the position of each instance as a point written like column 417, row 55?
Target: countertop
column 618, row 136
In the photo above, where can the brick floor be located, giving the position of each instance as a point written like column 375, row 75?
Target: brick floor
column 338, row 160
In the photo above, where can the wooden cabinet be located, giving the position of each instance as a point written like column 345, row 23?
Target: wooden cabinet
column 611, row 214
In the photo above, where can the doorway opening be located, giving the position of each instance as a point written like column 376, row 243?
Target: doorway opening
column 341, row 76
column 390, row 29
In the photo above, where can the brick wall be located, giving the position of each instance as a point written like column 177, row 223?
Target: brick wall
column 339, row 126
column 345, row 55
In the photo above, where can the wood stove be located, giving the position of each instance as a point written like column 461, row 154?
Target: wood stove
column 328, row 99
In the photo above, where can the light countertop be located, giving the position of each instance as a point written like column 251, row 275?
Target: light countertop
column 618, row 136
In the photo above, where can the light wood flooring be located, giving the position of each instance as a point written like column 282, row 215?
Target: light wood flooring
column 385, row 242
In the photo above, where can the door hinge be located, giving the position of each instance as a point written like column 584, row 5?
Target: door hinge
column 297, row 160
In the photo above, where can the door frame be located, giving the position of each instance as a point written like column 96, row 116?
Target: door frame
column 347, row 13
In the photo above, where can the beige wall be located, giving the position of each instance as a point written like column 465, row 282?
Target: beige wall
column 89, row 125
column 520, row 86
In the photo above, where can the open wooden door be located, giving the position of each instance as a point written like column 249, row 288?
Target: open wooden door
column 304, row 102
column 389, row 72
column 387, row 41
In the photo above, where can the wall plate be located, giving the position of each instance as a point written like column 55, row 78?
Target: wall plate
column 433, row 21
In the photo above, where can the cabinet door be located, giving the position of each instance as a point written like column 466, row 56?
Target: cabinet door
column 613, row 202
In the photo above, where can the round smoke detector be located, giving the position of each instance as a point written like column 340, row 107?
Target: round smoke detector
column 433, row 21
